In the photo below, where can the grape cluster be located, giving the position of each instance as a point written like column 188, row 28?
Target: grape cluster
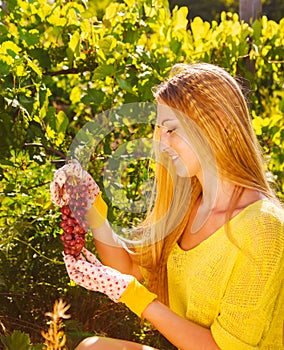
column 73, row 223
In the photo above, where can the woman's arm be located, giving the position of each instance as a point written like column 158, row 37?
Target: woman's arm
column 182, row 333
column 112, row 253
column 91, row 274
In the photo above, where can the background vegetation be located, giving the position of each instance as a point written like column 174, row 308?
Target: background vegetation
column 63, row 62
column 209, row 10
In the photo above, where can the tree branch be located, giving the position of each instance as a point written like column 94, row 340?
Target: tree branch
column 48, row 149
column 68, row 71
column 64, row 71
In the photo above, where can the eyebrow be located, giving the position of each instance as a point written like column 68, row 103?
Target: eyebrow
column 167, row 120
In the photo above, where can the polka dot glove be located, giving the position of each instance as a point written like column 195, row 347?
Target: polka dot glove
column 90, row 273
column 72, row 174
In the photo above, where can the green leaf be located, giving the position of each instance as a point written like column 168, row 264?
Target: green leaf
column 96, row 8
column 70, row 56
column 17, row 341
column 90, row 12
column 42, row 56
column 6, row 123
column 56, row 127
column 180, row 18
column 199, row 28
column 124, row 84
column 111, row 11
column 74, row 43
column 107, row 44
column 149, row 10
column 45, row 110
column 34, row 67
column 31, row 37
column 257, row 125
column 9, row 46
column 256, row 29
column 104, row 70
column 4, row 68
column 27, row 103
column 75, row 95
column 281, row 106
column 39, row 347
column 3, row 32
column 93, row 96
column 60, row 122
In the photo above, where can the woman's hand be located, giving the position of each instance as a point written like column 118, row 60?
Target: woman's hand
column 88, row 272
column 71, row 180
column 75, row 187
column 82, row 206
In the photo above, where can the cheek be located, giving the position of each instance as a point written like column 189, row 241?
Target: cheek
column 184, row 150
column 189, row 159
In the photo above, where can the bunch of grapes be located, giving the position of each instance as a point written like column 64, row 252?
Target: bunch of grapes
column 73, row 223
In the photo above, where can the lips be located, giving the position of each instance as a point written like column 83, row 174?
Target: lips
column 174, row 157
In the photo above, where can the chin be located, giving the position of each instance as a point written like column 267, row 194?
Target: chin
column 182, row 172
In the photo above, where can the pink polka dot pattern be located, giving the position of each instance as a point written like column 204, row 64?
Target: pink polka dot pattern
column 90, row 273
column 69, row 174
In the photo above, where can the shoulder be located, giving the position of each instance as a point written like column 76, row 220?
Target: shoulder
column 272, row 209
column 260, row 228
column 262, row 214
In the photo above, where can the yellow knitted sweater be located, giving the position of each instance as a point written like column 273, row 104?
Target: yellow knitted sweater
column 236, row 292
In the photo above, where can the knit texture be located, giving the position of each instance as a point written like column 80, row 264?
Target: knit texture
column 97, row 214
column 136, row 297
column 235, row 289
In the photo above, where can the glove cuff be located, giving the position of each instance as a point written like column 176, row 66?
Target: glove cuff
column 97, row 214
column 136, row 297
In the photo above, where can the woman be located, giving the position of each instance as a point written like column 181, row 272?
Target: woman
column 214, row 252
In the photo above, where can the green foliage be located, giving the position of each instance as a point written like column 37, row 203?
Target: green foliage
column 61, row 64
column 19, row 341
column 209, row 10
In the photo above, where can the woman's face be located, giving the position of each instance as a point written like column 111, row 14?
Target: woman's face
column 174, row 142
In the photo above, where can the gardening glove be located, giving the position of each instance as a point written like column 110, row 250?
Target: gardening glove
column 72, row 176
column 88, row 272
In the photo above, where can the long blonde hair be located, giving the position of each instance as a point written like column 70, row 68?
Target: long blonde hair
column 212, row 99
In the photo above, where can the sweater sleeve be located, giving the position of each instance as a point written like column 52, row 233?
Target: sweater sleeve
column 136, row 297
column 253, row 291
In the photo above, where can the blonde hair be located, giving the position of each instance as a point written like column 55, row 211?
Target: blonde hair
column 211, row 98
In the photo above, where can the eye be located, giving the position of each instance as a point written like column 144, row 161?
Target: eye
column 165, row 129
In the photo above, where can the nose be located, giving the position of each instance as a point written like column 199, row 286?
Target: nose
column 164, row 144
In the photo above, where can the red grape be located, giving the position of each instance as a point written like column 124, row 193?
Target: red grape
column 64, row 217
column 70, row 222
column 78, row 229
column 65, row 210
column 73, row 223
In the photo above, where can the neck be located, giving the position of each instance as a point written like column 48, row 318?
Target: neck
column 217, row 199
